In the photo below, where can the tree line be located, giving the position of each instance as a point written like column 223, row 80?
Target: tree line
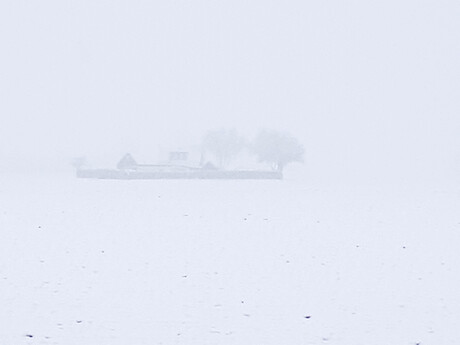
column 269, row 146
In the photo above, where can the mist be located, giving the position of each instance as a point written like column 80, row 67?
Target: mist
column 310, row 189
column 370, row 89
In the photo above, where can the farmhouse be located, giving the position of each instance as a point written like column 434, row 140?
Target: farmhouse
column 178, row 162
column 177, row 166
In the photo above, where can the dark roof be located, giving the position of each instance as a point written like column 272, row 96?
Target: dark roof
column 126, row 162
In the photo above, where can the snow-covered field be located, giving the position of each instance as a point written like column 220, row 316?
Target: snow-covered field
column 90, row 262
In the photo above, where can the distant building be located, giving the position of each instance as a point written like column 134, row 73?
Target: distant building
column 178, row 162
column 178, row 156
column 177, row 167
column 127, row 162
column 190, row 156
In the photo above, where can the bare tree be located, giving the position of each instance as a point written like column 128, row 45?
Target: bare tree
column 277, row 149
column 223, row 144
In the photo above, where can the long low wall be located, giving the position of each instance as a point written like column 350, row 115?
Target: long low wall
column 199, row 174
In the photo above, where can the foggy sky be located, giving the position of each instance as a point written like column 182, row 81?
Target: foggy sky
column 370, row 88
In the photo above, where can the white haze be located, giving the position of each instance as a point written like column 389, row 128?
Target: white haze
column 357, row 246
column 370, row 88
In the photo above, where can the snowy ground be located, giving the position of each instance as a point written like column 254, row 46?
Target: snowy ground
column 88, row 262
